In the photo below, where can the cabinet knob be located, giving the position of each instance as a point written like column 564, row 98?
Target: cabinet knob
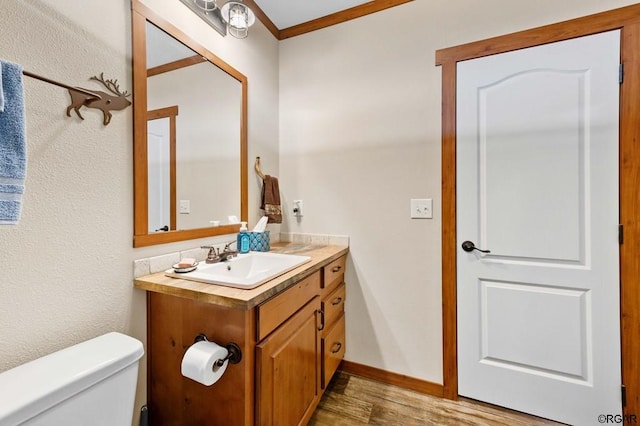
column 336, row 269
column 337, row 301
column 336, row 347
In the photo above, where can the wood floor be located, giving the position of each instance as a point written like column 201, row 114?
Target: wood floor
column 353, row 400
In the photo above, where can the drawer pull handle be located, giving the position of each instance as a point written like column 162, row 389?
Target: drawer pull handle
column 336, row 347
column 336, row 269
column 337, row 301
column 321, row 326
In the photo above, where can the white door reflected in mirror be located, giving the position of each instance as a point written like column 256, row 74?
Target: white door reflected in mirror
column 159, row 173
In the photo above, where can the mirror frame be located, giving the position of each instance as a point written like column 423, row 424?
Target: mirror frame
column 140, row 14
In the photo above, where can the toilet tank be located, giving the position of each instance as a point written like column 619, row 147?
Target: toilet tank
column 91, row 383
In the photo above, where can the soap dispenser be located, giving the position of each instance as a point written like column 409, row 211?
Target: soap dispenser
column 243, row 239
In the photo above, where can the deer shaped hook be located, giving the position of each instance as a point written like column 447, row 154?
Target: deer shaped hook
column 102, row 100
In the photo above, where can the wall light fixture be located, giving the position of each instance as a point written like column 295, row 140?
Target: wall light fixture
column 234, row 17
column 239, row 17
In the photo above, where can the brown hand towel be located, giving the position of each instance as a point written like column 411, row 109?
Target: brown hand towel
column 271, row 199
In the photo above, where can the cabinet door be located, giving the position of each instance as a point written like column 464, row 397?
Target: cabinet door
column 287, row 370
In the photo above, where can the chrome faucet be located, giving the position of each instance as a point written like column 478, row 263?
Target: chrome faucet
column 227, row 253
column 214, row 255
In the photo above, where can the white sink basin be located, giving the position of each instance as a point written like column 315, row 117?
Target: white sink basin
column 245, row 271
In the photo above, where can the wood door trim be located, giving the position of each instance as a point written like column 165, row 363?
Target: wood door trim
column 552, row 33
column 629, row 207
column 627, row 19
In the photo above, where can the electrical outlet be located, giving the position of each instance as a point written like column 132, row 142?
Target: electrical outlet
column 185, row 206
column 421, row 208
column 297, row 208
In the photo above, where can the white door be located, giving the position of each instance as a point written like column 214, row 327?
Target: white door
column 537, row 185
column 158, row 170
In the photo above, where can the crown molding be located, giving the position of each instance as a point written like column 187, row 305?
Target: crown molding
column 326, row 21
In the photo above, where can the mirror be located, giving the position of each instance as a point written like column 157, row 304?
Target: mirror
column 190, row 147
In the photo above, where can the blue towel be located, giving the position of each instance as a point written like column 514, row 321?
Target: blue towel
column 1, row 92
column 13, row 148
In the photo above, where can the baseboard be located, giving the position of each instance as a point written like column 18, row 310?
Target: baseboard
column 390, row 378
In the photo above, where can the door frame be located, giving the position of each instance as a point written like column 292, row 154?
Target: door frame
column 627, row 19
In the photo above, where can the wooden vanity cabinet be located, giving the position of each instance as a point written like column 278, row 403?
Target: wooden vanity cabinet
column 296, row 361
column 292, row 345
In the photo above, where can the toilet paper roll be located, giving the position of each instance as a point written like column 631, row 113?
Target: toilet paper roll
column 199, row 362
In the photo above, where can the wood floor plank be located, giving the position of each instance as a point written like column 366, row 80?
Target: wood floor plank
column 328, row 418
column 387, row 414
column 356, row 409
column 378, row 393
column 352, row 400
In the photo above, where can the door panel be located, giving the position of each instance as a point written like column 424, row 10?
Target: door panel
column 536, row 328
column 512, row 154
column 537, row 185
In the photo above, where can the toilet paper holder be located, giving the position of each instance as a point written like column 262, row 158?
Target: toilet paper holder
column 234, row 354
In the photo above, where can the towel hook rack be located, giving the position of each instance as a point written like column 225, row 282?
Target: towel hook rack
column 258, row 168
column 105, row 102
column 57, row 83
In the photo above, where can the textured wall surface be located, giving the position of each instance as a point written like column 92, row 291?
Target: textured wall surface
column 68, row 265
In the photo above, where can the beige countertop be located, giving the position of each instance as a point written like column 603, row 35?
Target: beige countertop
column 239, row 298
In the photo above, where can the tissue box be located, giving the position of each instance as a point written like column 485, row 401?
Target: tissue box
column 259, row 241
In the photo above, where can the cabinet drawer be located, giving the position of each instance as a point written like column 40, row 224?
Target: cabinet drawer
column 275, row 311
column 333, row 274
column 333, row 346
column 333, row 306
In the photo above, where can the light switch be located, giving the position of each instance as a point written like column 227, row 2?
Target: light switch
column 421, row 208
column 185, row 206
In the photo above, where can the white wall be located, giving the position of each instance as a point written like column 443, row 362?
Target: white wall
column 67, row 267
column 360, row 136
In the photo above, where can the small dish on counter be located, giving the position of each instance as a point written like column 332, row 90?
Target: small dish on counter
column 184, row 269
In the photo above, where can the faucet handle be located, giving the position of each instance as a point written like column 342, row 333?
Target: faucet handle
column 227, row 246
column 213, row 256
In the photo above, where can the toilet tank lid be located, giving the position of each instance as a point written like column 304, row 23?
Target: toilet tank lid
column 38, row 385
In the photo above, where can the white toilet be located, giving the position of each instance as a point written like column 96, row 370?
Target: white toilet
column 91, row 383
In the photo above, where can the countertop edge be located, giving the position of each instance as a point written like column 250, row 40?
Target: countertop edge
column 185, row 289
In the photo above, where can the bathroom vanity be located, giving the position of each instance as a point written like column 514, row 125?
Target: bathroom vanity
column 291, row 331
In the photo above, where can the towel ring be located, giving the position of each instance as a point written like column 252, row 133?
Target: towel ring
column 258, row 169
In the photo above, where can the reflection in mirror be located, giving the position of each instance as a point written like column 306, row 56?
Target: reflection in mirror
column 207, row 128
column 189, row 136
column 161, row 168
